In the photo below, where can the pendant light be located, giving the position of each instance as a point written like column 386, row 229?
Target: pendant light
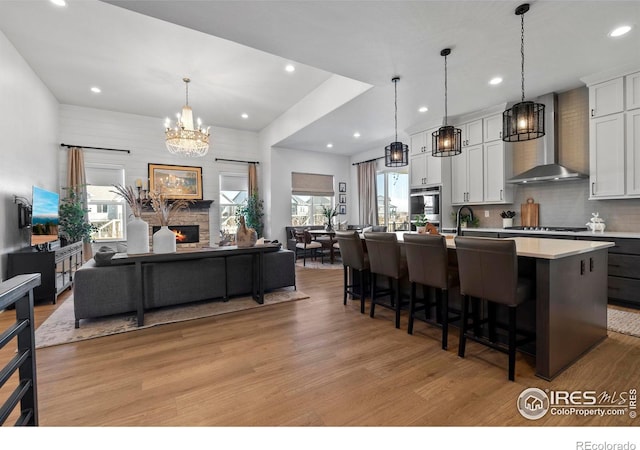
column 525, row 120
column 447, row 141
column 396, row 154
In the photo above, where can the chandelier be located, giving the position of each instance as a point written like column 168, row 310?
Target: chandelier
column 396, row 154
column 183, row 139
column 525, row 120
column 447, row 140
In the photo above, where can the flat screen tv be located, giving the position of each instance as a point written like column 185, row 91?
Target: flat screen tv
column 44, row 216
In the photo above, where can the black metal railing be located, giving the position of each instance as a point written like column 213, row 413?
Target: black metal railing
column 18, row 292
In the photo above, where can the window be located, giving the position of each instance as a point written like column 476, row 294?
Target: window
column 393, row 200
column 234, row 188
column 107, row 210
column 309, row 193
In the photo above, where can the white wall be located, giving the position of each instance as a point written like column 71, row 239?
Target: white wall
column 283, row 162
column 144, row 136
column 28, row 125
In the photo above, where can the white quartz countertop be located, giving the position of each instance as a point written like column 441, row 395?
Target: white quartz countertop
column 544, row 248
column 597, row 234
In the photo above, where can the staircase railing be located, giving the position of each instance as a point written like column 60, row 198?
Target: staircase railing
column 18, row 292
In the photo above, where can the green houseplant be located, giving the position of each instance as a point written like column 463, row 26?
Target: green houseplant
column 74, row 225
column 252, row 210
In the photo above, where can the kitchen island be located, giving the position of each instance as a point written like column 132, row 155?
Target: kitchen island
column 571, row 297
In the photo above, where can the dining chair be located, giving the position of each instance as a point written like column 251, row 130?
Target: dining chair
column 385, row 260
column 489, row 271
column 306, row 244
column 428, row 266
column 354, row 261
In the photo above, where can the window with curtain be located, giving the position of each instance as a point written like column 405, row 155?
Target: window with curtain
column 309, row 193
column 107, row 211
column 393, row 200
column 234, row 188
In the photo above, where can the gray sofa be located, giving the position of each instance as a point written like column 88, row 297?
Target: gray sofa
column 106, row 290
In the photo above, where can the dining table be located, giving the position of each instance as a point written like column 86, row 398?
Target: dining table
column 570, row 277
column 326, row 243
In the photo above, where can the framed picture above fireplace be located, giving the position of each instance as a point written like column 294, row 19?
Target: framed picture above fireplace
column 176, row 181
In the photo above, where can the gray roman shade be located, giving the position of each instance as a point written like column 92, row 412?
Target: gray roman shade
column 104, row 175
column 311, row 184
column 233, row 182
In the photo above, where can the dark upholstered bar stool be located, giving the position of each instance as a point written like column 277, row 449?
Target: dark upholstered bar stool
column 489, row 270
column 354, row 259
column 428, row 265
column 385, row 259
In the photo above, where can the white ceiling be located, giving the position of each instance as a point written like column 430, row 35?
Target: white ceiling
column 139, row 61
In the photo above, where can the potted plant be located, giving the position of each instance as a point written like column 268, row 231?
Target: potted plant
column 507, row 218
column 420, row 221
column 252, row 210
column 329, row 213
column 74, row 223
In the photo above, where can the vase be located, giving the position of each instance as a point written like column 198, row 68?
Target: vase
column 137, row 236
column 507, row 222
column 421, row 230
column 245, row 236
column 328, row 226
column 164, row 240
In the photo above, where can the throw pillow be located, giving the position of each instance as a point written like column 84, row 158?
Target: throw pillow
column 103, row 256
column 367, row 229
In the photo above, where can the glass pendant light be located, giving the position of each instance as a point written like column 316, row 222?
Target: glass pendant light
column 447, row 141
column 396, row 154
column 524, row 121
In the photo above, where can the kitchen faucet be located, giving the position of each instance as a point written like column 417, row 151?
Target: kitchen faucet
column 458, row 217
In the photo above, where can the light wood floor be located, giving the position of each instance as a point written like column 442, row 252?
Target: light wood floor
column 310, row 362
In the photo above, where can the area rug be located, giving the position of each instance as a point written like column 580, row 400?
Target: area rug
column 311, row 264
column 59, row 328
column 625, row 322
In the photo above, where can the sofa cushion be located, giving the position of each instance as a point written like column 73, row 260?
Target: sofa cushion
column 103, row 256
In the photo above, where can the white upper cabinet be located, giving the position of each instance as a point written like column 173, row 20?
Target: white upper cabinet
column 606, row 98
column 425, row 170
column 633, row 91
column 496, row 165
column 471, row 133
column 493, row 128
column 467, row 177
column 606, row 156
column 633, row 152
column 614, row 136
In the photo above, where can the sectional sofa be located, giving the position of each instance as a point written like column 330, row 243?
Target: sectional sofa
column 102, row 290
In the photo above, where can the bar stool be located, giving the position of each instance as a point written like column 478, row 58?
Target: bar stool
column 385, row 259
column 489, row 270
column 428, row 265
column 354, row 259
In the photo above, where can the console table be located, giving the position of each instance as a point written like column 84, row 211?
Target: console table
column 257, row 252
column 56, row 266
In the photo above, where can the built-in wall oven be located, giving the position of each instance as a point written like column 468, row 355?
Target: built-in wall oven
column 427, row 201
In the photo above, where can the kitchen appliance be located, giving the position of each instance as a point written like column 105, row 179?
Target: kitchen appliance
column 537, row 228
column 547, row 168
column 427, row 201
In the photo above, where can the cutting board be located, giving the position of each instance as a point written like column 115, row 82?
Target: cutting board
column 529, row 213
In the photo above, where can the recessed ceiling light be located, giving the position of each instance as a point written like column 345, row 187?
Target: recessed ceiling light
column 59, row 2
column 356, row 135
column 494, row 81
column 245, row 116
column 329, row 145
column 290, row 68
column 620, row 31
column 423, row 109
column 96, row 90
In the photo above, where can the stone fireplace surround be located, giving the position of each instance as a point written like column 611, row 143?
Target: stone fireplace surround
column 196, row 214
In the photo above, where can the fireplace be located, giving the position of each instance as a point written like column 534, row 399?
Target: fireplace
column 185, row 234
column 197, row 216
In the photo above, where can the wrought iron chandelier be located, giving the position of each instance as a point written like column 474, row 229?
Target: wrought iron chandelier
column 183, row 139
column 447, row 140
column 524, row 121
column 396, row 154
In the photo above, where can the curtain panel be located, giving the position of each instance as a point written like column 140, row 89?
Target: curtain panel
column 367, row 194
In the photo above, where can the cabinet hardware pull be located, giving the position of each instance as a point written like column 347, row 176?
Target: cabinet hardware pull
column 500, row 134
column 582, row 267
column 593, row 185
column 590, row 264
column 501, row 194
column 593, row 112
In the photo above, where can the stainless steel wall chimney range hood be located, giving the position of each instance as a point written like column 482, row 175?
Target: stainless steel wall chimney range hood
column 547, row 168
